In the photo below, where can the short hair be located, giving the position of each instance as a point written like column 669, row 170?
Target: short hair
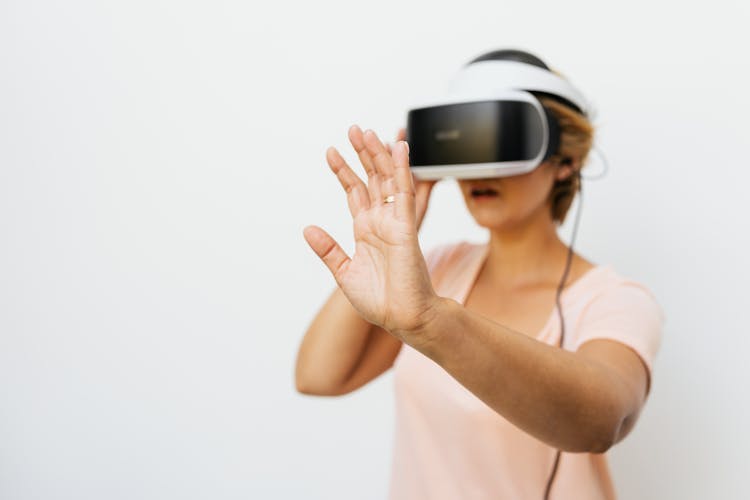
column 576, row 139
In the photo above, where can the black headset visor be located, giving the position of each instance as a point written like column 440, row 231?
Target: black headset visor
column 475, row 132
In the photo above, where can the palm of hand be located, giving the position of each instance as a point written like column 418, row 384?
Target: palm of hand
column 386, row 280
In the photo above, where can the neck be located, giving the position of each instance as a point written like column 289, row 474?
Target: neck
column 529, row 252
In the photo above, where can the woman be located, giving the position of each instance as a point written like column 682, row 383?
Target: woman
column 487, row 405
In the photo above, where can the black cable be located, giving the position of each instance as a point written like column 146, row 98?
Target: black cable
column 560, row 313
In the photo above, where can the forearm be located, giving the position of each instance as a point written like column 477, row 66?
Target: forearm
column 555, row 395
column 332, row 345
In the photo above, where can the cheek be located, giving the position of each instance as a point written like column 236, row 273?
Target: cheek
column 530, row 192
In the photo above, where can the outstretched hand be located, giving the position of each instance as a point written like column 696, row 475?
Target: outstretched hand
column 386, row 279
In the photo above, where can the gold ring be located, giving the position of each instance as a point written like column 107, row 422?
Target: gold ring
column 389, row 199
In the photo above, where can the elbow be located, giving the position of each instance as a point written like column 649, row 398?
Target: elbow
column 304, row 386
column 609, row 424
column 600, row 445
column 591, row 442
column 301, row 386
column 301, row 382
column 312, row 391
column 606, row 435
column 304, row 381
column 597, row 431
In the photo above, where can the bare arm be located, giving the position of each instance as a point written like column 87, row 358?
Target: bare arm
column 341, row 351
column 583, row 401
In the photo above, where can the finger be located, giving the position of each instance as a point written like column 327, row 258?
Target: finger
column 381, row 159
column 401, row 135
column 388, row 187
column 405, row 193
column 328, row 250
column 357, row 139
column 356, row 191
column 383, row 162
column 373, row 178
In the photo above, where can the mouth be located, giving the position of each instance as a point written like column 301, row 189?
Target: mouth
column 482, row 193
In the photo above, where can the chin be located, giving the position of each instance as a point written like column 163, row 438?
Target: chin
column 492, row 220
column 497, row 216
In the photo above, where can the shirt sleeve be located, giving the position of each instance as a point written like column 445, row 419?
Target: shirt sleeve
column 627, row 313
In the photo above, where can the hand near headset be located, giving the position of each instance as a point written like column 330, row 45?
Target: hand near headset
column 386, row 280
column 423, row 188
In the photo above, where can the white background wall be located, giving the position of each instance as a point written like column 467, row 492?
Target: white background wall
column 159, row 159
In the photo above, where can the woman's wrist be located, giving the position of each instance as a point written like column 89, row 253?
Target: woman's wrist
column 424, row 336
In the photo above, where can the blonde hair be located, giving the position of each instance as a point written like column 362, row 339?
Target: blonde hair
column 576, row 139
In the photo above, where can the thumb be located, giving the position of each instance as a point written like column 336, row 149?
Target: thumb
column 327, row 249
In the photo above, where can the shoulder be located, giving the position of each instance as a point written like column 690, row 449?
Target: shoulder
column 612, row 290
column 623, row 309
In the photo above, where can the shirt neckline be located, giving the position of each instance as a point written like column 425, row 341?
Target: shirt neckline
column 477, row 262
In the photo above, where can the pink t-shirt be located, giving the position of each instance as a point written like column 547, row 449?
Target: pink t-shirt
column 449, row 444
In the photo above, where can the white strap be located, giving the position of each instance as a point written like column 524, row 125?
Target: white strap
column 486, row 77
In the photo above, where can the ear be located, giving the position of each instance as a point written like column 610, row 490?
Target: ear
column 566, row 168
column 563, row 173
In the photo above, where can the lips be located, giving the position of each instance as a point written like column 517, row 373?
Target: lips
column 482, row 191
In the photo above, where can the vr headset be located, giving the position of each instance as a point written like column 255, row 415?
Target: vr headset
column 490, row 123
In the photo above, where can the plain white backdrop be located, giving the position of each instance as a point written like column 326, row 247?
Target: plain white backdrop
column 159, row 159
